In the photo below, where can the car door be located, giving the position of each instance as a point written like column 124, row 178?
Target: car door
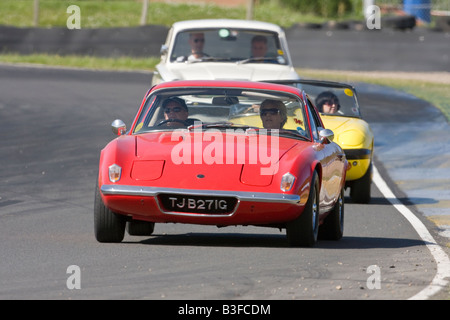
column 331, row 156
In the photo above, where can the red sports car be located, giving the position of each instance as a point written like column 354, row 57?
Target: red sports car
column 222, row 153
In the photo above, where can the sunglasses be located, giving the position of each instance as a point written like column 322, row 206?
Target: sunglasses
column 272, row 112
column 331, row 102
column 174, row 109
column 199, row 40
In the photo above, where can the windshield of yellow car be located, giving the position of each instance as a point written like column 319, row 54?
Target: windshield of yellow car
column 333, row 100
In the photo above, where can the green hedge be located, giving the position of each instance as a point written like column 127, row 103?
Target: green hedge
column 323, row 8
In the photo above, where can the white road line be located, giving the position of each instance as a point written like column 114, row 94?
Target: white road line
column 439, row 255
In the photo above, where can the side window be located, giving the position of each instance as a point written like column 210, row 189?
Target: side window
column 315, row 122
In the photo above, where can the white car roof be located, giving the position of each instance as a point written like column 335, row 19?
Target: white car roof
column 225, row 23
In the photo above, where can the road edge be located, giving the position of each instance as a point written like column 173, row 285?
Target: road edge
column 442, row 260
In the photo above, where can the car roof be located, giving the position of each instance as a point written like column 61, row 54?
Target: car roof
column 229, row 84
column 226, row 23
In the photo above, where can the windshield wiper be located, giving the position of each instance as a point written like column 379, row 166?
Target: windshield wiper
column 258, row 59
column 293, row 133
column 222, row 124
column 228, row 125
column 209, row 59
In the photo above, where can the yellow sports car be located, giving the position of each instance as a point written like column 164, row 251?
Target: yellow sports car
column 339, row 111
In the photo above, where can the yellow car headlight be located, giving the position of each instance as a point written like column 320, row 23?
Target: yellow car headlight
column 351, row 138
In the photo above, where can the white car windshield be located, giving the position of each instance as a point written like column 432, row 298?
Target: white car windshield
column 225, row 44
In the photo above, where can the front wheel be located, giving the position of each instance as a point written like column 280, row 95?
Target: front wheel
column 108, row 226
column 360, row 189
column 303, row 231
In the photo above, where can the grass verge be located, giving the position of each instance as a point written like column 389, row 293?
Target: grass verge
column 127, row 13
column 88, row 62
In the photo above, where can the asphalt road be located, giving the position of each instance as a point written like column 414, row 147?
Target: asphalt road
column 327, row 48
column 420, row 50
column 54, row 123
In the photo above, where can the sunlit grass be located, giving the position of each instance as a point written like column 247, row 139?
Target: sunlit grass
column 127, row 13
column 89, row 62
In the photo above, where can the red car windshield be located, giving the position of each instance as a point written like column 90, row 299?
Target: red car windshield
column 222, row 108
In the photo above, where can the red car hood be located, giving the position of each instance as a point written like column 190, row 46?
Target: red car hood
column 208, row 159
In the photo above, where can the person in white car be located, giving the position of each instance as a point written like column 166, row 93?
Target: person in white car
column 259, row 46
column 196, row 41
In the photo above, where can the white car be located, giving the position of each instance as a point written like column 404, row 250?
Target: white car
column 225, row 49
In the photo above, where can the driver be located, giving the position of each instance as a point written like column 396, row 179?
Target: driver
column 175, row 109
column 273, row 114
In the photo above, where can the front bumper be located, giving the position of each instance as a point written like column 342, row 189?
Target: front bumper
column 242, row 196
column 145, row 203
column 359, row 162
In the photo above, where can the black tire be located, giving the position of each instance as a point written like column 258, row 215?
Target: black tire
column 303, row 231
column 108, row 226
column 399, row 22
column 140, row 228
column 360, row 189
column 333, row 225
column 443, row 23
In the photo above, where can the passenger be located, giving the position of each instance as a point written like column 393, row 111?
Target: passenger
column 328, row 102
column 273, row 114
column 259, row 46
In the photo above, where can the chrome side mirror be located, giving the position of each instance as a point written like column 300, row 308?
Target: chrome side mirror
column 326, row 136
column 118, row 127
column 164, row 49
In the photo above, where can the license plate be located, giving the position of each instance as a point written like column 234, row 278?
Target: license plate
column 197, row 204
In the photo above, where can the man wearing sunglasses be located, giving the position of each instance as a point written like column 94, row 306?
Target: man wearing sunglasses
column 273, row 114
column 175, row 111
column 196, row 41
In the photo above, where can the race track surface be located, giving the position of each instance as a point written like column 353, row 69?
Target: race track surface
column 55, row 123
